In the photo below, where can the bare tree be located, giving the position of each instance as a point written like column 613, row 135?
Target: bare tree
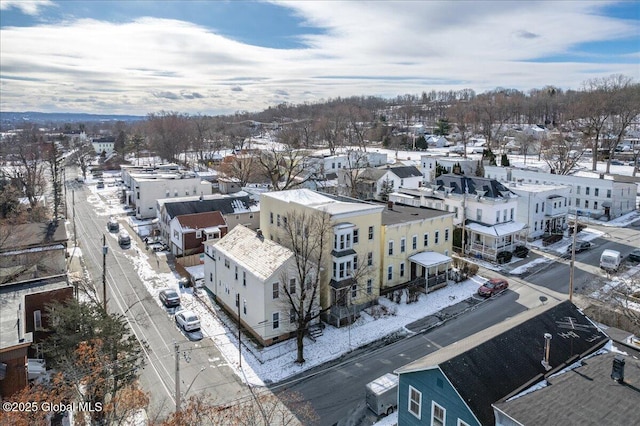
column 562, row 155
column 284, row 168
column 308, row 235
column 170, row 134
column 241, row 167
column 626, row 108
column 526, row 142
column 357, row 160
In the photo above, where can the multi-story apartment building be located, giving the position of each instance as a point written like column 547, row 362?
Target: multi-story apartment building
column 484, row 208
column 428, row 166
column 416, row 244
column 543, row 208
column 246, row 273
column 601, row 197
column 347, row 283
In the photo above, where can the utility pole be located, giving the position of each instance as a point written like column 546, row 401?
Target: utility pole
column 105, row 249
column 73, row 207
column 239, row 331
column 573, row 256
column 177, row 377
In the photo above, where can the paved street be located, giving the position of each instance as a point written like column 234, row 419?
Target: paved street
column 151, row 324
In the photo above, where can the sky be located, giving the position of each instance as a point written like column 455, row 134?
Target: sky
column 221, row 57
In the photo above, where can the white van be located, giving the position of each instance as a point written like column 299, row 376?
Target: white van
column 610, row 260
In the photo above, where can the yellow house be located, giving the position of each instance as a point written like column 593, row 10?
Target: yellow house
column 349, row 271
column 415, row 246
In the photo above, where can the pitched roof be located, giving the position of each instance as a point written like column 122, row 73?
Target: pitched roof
column 32, row 235
column 460, row 184
column 227, row 205
column 201, row 220
column 585, row 395
column 258, row 255
column 498, row 361
column 405, row 171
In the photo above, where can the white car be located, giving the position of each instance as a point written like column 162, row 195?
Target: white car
column 187, row 320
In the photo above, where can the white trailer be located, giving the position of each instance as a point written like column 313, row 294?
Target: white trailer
column 382, row 394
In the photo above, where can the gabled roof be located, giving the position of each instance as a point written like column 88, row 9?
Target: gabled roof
column 404, row 172
column 471, row 184
column 498, row 361
column 201, row 220
column 585, row 395
column 29, row 235
column 258, row 255
column 228, row 205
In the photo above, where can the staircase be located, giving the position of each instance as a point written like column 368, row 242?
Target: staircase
column 315, row 331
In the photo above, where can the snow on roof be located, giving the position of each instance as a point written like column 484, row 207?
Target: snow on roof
column 260, row 256
column 497, row 230
column 321, row 202
column 430, row 258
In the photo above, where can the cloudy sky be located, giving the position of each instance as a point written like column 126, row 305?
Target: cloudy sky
column 218, row 57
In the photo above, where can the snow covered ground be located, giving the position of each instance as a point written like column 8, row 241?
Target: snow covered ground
column 276, row 362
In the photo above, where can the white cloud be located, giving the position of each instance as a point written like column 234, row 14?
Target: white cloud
column 28, row 7
column 377, row 48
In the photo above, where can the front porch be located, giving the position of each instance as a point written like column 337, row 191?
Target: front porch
column 485, row 242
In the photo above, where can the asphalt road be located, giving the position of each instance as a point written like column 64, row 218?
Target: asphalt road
column 200, row 368
column 337, row 391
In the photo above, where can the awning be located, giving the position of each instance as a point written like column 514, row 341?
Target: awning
column 429, row 259
column 500, row 230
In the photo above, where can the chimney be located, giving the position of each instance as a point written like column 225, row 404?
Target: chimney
column 601, row 175
column 547, row 347
column 390, row 205
column 617, row 369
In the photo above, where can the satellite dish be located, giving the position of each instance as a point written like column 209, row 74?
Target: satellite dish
column 543, row 299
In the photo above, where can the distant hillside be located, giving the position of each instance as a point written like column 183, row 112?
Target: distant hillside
column 7, row 118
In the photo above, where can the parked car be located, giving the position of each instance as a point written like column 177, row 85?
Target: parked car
column 113, row 225
column 580, row 246
column 521, row 252
column 493, row 286
column 635, row 255
column 617, row 163
column 187, row 320
column 169, row 298
column 124, row 239
column 504, row 257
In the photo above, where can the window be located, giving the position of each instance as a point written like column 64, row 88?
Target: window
column 369, row 286
column 335, row 270
column 426, row 239
column 390, row 248
column 370, row 259
column 244, row 278
column 284, row 221
column 292, row 286
column 595, row 205
column 596, row 191
column 354, row 291
column 371, row 232
column 37, row 320
column 211, row 276
column 608, row 193
column 402, row 269
column 276, row 290
column 511, row 216
column 355, row 236
column 577, row 202
column 199, row 233
column 479, row 215
column 278, row 220
column 390, row 273
column 271, row 218
column 578, row 190
column 244, row 306
column 236, row 273
column 504, row 214
column 276, row 320
column 586, row 191
column 498, row 216
column 586, row 204
column 446, row 234
column 536, row 207
column 226, row 263
column 415, row 402
column 341, row 271
column 414, row 242
column 292, row 316
column 355, row 263
column 436, row 237
column 438, row 414
column 403, row 245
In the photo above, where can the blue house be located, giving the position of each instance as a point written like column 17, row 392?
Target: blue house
column 457, row 385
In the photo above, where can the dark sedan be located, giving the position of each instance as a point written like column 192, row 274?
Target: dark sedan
column 169, row 298
column 635, row 255
column 493, row 286
column 580, row 246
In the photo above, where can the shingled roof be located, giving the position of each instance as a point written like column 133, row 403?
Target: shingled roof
column 491, row 187
column 501, row 360
column 227, row 205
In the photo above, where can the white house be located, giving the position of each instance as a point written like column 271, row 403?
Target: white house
column 246, row 273
column 104, row 144
column 374, row 183
column 601, row 197
column 428, row 163
column 437, row 141
column 543, row 208
column 484, row 208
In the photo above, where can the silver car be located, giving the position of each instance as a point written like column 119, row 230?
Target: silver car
column 187, row 320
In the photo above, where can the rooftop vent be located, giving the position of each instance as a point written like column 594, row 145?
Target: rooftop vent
column 547, row 347
column 617, row 369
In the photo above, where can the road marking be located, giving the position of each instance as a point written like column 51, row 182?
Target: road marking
column 431, row 342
